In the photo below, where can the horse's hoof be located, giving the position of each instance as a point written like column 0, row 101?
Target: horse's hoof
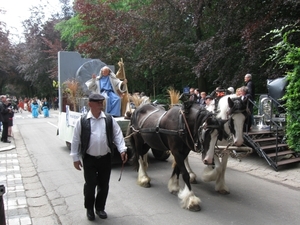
column 147, row 185
column 174, row 192
column 224, row 192
column 195, row 208
column 193, row 181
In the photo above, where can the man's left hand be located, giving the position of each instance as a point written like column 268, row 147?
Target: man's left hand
column 124, row 157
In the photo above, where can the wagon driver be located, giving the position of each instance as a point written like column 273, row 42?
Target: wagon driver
column 112, row 88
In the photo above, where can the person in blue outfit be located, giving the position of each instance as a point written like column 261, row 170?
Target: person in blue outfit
column 112, row 88
column 45, row 108
column 35, row 109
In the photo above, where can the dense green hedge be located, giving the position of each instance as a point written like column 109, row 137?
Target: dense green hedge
column 286, row 53
column 292, row 97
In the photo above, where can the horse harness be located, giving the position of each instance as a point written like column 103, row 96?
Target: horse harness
column 230, row 113
column 220, row 153
column 181, row 132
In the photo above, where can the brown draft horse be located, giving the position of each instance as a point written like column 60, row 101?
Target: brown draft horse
column 179, row 130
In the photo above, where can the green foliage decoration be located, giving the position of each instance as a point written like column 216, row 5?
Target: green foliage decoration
column 292, row 98
column 286, row 53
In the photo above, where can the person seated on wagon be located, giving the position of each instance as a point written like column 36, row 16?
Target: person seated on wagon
column 217, row 94
column 202, row 99
column 193, row 96
column 230, row 90
column 112, row 88
column 209, row 103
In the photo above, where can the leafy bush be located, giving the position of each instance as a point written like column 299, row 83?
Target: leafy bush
column 286, row 54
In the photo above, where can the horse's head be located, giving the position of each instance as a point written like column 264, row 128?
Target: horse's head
column 234, row 109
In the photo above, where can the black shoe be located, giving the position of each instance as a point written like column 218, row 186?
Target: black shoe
column 7, row 141
column 90, row 214
column 102, row 214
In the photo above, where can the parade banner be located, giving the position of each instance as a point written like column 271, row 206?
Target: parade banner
column 71, row 116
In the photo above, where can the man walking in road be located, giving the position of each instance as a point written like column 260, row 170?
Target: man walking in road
column 94, row 146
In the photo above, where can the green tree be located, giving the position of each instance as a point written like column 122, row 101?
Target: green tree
column 29, row 67
column 38, row 54
column 229, row 34
column 154, row 38
column 6, row 59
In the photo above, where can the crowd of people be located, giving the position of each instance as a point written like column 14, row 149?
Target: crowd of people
column 35, row 105
column 210, row 102
column 9, row 105
column 14, row 105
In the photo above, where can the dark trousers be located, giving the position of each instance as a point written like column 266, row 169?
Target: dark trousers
column 4, row 131
column 96, row 174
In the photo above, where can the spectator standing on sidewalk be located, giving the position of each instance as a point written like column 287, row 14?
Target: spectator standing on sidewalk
column 11, row 116
column 92, row 141
column 5, row 118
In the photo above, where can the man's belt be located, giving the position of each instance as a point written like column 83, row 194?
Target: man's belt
column 99, row 156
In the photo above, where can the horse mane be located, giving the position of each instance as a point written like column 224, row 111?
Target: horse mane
column 201, row 117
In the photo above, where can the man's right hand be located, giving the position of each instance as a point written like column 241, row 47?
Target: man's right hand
column 94, row 76
column 77, row 165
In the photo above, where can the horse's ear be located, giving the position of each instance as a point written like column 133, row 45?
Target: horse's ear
column 230, row 102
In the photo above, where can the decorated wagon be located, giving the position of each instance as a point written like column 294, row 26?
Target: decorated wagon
column 73, row 72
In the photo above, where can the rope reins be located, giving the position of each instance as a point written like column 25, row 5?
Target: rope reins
column 188, row 128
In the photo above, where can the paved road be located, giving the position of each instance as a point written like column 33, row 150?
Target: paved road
column 43, row 188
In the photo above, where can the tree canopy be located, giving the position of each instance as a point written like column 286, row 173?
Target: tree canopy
column 183, row 43
column 178, row 43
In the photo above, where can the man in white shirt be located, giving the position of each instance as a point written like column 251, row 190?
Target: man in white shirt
column 91, row 143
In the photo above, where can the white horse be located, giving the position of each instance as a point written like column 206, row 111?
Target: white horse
column 234, row 110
